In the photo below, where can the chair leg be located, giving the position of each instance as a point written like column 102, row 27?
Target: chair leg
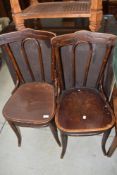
column 113, row 145
column 64, row 139
column 54, row 131
column 17, row 132
column 104, row 140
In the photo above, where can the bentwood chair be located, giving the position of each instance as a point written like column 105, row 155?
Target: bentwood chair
column 83, row 63
column 33, row 101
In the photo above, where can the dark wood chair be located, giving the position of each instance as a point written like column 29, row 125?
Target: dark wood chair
column 33, row 101
column 83, row 63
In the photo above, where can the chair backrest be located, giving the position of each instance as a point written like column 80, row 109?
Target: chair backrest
column 28, row 53
column 84, row 59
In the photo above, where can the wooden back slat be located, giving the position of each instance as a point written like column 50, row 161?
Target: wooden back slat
column 88, row 65
column 12, row 58
column 104, row 62
column 26, row 58
column 41, row 62
column 74, row 65
column 59, row 67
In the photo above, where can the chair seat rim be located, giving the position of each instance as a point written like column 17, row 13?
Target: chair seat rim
column 30, row 122
column 84, row 131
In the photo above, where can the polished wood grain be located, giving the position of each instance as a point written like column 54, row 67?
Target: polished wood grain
column 87, row 103
column 83, row 61
column 32, row 103
column 33, row 100
column 91, row 9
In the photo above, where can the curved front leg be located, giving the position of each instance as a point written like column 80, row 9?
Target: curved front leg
column 17, row 132
column 64, row 139
column 114, row 142
column 113, row 145
column 54, row 131
column 104, row 140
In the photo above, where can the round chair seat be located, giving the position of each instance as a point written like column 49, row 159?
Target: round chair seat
column 83, row 110
column 31, row 103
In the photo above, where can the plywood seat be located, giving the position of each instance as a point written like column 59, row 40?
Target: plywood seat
column 58, row 10
column 31, row 103
column 83, row 110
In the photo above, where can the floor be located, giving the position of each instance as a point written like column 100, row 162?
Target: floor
column 40, row 154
